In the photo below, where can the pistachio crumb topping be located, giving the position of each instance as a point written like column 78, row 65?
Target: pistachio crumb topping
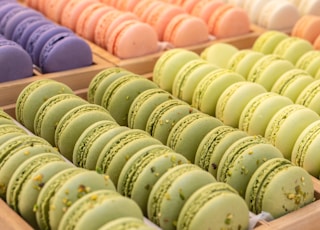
column 228, row 219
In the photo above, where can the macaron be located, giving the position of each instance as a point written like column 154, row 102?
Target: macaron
column 310, row 62
column 63, row 190
column 120, row 94
column 292, row 83
column 309, row 96
column 243, row 60
column 120, row 46
column 143, row 105
column 144, row 169
column 119, row 149
column 231, row 211
column 50, row 113
column 309, row 7
column 32, row 97
column 259, row 110
column 233, row 100
column 168, row 65
column 186, row 30
column 242, row 159
column 221, row 22
column 204, row 9
column 186, row 135
column 15, row 151
column 5, row 118
column 53, row 9
column 307, row 27
column 98, row 208
column 278, row 187
column 126, row 222
column 268, row 69
column 165, row 116
column 74, row 122
column 101, row 81
column 286, row 125
column 210, row 88
column 214, row 145
column 32, row 186
column 171, row 192
column 219, row 53
column 188, row 78
column 89, row 139
column 267, row 41
column 10, row 130
column 292, row 48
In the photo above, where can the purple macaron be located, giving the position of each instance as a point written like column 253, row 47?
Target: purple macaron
column 64, row 51
column 15, row 62
column 7, row 12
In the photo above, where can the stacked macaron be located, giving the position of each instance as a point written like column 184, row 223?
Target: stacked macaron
column 52, row 48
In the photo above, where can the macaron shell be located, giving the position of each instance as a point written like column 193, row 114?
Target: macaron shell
column 309, row 96
column 267, row 42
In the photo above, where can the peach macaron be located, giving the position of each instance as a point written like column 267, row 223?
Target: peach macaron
column 307, row 27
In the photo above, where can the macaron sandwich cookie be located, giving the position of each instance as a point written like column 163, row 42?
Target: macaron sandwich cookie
column 168, row 65
column 171, row 192
column 17, row 150
column 214, row 145
column 309, row 96
column 165, row 116
column 242, row 159
column 120, row 94
column 144, row 169
column 259, row 110
column 233, row 100
column 143, row 105
column 10, row 130
column 32, row 97
column 210, row 88
column 310, row 62
column 98, row 208
column 287, row 124
column 123, row 223
column 74, row 122
column 230, row 210
column 63, row 190
column 187, row 133
column 278, row 187
column 268, row 41
column 5, row 118
column 119, row 149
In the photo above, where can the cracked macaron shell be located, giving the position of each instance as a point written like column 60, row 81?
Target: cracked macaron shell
column 231, row 211
column 171, row 192
column 278, row 187
column 188, row 132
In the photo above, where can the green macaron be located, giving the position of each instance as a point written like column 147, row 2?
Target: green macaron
column 120, row 94
column 171, row 192
column 259, row 110
column 214, row 145
column 8, row 131
column 188, row 77
column 310, row 96
column 168, row 65
column 63, row 190
column 5, row 118
column 119, row 149
column 50, row 113
column 144, row 169
column 278, row 187
column 32, row 97
column 101, row 81
column 286, row 125
column 98, row 208
column 209, row 89
column 125, row 223
column 165, row 116
column 74, row 122
column 310, row 62
column 188, row 132
column 87, row 140
column 214, row 206
column 143, row 105
column 242, row 159
column 268, row 41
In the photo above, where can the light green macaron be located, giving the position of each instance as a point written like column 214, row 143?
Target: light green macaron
column 5, row 118
column 8, row 131
column 171, row 192
column 310, row 96
column 268, row 41
column 188, row 132
column 126, row 223
column 32, row 97
column 310, row 62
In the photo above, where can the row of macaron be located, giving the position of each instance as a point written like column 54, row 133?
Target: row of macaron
column 122, row 91
column 96, row 20
column 308, row 27
column 155, row 160
column 277, row 15
column 51, row 47
column 35, row 177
